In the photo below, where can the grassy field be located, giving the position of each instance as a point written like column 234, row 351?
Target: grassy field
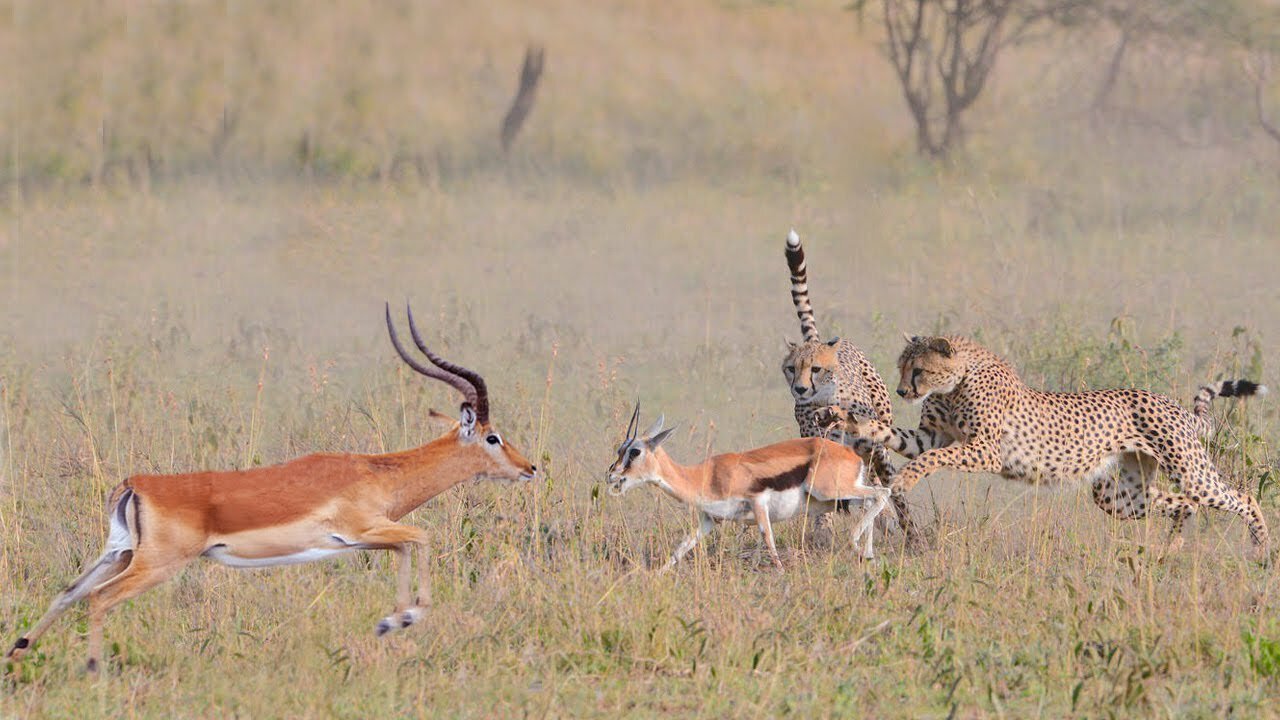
column 223, row 312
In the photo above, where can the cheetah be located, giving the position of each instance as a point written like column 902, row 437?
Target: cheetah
column 835, row 372
column 977, row 415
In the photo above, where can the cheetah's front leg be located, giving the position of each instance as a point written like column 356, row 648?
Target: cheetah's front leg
column 973, row 456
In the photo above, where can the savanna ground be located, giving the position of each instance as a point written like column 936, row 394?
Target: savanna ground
column 176, row 298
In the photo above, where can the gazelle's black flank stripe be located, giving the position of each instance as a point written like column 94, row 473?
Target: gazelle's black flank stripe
column 800, row 288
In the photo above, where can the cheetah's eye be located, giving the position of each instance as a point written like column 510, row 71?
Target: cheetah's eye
column 915, row 373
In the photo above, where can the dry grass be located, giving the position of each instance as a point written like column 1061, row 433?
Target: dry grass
column 632, row 249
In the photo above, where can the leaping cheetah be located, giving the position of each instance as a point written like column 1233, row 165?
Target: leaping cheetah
column 978, row 415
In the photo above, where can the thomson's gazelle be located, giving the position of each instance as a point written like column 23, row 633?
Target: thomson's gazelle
column 775, row 482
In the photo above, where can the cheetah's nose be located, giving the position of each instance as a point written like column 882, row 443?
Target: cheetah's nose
column 799, row 389
column 902, row 392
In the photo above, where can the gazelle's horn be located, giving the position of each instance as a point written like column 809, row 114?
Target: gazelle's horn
column 634, row 424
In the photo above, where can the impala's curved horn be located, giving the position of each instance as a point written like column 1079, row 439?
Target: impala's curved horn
column 479, row 396
column 457, row 383
column 633, row 425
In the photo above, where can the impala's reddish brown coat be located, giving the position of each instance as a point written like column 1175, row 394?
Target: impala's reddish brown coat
column 307, row 509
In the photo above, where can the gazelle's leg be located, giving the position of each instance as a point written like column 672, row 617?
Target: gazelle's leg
column 874, row 501
column 399, row 539
column 142, row 574
column 766, row 531
column 705, row 524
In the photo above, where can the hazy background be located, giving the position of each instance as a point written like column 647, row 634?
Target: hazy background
column 207, row 203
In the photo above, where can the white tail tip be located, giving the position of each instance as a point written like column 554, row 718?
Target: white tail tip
column 793, row 238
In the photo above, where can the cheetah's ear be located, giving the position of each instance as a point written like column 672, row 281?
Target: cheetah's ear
column 832, row 342
column 942, row 346
column 790, row 345
column 910, row 338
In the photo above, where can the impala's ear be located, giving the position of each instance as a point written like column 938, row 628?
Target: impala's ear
column 467, row 421
column 942, row 346
column 656, row 440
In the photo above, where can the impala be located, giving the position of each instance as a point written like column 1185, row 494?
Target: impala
column 776, row 482
column 312, row 508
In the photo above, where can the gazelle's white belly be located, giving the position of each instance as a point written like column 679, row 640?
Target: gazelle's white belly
column 781, row 504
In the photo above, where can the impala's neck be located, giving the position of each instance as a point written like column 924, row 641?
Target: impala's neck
column 412, row 477
column 687, row 483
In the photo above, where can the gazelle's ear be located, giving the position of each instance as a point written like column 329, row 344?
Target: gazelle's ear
column 467, row 421
column 656, row 440
column 655, row 427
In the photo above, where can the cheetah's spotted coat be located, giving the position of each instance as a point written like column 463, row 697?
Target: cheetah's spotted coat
column 979, row 416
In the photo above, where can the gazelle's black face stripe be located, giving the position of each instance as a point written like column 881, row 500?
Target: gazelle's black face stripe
column 628, row 452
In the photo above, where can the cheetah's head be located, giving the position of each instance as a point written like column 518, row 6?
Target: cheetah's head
column 810, row 368
column 928, row 365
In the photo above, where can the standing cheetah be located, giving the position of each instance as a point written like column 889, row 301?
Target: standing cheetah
column 979, row 416
column 835, row 372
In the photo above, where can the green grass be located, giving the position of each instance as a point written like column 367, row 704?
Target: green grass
column 221, row 314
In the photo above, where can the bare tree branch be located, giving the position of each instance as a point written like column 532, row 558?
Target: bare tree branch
column 1261, row 75
column 530, row 74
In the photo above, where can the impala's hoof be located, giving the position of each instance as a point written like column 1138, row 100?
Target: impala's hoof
column 19, row 649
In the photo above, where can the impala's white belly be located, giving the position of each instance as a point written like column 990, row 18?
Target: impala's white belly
column 268, row 549
column 220, row 554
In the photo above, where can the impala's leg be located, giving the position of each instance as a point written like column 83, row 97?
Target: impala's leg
column 400, row 539
column 705, row 524
column 141, row 575
column 766, row 532
column 108, row 566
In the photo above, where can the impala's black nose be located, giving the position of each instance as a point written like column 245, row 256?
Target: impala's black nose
column 902, row 393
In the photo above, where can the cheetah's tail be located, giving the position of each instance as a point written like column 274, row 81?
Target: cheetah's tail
column 1226, row 388
column 800, row 287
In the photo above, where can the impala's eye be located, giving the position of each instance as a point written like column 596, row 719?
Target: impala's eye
column 493, row 439
column 635, row 453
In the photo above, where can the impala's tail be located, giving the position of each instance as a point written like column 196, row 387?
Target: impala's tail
column 800, row 287
column 122, row 538
column 1226, row 388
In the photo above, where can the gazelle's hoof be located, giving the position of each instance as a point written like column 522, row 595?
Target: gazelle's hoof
column 399, row 620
